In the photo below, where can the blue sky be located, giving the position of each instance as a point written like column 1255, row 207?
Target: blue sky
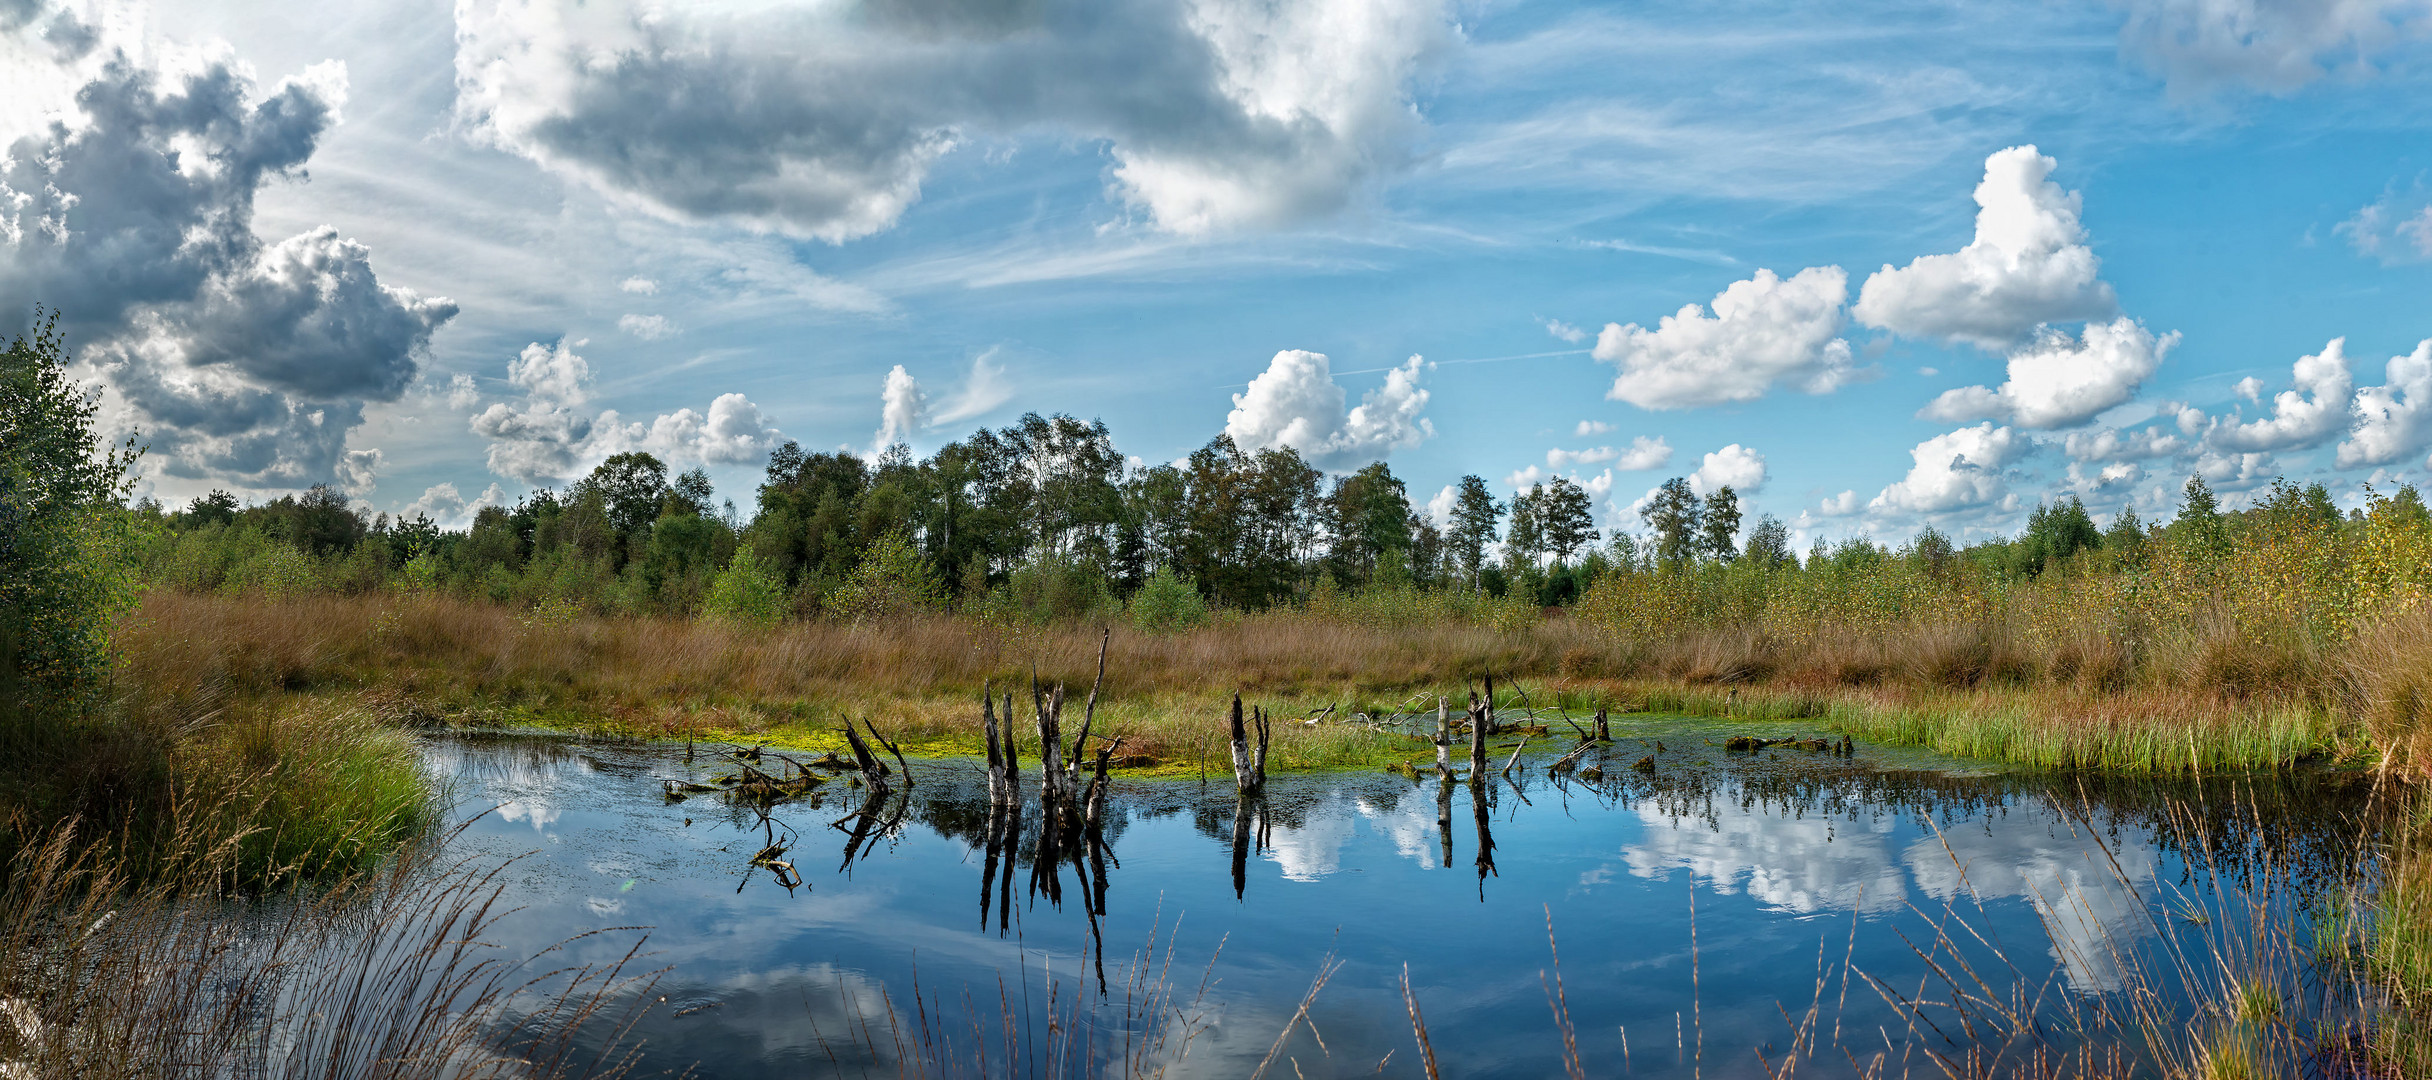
column 445, row 254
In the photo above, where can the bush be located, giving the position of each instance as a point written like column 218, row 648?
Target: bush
column 1052, row 589
column 65, row 543
column 1168, row 603
column 892, row 580
column 746, row 591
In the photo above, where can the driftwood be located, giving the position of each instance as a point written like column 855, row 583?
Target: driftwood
column 1571, row 760
column 873, row 771
column 1516, row 752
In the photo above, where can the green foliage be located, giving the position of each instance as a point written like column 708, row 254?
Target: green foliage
column 1675, row 514
column 748, row 590
column 892, row 580
column 1052, row 589
column 1167, row 603
column 65, row 545
column 1718, row 527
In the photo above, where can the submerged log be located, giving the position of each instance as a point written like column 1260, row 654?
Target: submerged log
column 1571, row 760
column 873, row 771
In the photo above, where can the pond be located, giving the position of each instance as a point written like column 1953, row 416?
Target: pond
column 1711, row 914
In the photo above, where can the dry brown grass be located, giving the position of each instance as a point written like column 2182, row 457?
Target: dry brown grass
column 1957, row 686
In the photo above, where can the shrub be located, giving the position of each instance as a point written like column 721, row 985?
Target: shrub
column 892, row 580
column 746, row 591
column 1168, row 603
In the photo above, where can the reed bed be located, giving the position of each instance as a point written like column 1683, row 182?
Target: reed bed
column 109, row 973
column 424, row 658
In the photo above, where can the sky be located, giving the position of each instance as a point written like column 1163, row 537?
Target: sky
column 1874, row 266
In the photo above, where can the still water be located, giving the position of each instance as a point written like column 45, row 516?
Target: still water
column 1705, row 912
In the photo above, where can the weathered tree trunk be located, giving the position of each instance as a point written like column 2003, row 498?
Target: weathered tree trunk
column 1013, row 767
column 1246, row 780
column 1477, row 737
column 1604, row 729
column 999, row 791
column 1052, row 781
column 1490, row 704
column 1089, row 712
column 873, row 771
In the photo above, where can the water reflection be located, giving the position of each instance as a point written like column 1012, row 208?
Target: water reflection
column 1788, row 852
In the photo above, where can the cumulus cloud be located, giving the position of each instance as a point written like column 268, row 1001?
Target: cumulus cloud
column 2058, row 381
column 1595, row 455
column 640, row 286
column 2028, row 265
column 2307, row 416
column 1763, row 330
column 1735, row 466
column 1297, row 403
column 548, row 437
column 983, row 390
column 824, row 121
column 243, row 361
column 2202, row 46
column 2391, row 420
column 647, row 327
column 448, row 508
column 2395, row 228
column 1841, row 505
column 902, row 407
column 1440, row 506
column 1589, row 428
column 2112, row 444
column 1954, row 470
column 462, row 392
column 1645, row 452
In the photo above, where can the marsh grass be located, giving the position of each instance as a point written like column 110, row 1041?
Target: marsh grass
column 422, row 658
column 107, row 972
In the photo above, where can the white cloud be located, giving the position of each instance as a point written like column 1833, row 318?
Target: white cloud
column 647, row 327
column 1841, row 505
column 823, row 121
column 1734, row 465
column 982, row 391
column 2250, row 388
column 2391, row 419
column 2394, row 228
column 2297, row 421
column 1764, row 330
column 1954, row 470
column 640, row 286
column 901, row 409
column 359, row 471
column 549, row 438
column 1440, row 508
column 552, row 373
column 2058, row 382
column 447, row 507
column 2028, row 265
column 2111, row 444
column 1588, row 428
column 734, row 433
column 1645, row 453
column 2201, row 46
column 1297, row 403
column 462, row 393
column 1564, row 459
column 1564, row 331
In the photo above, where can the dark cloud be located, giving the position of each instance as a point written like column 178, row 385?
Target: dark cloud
column 237, row 359
column 1217, row 112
